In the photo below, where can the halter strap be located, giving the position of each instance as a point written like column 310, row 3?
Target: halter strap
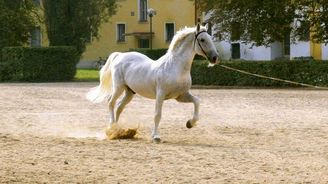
column 196, row 36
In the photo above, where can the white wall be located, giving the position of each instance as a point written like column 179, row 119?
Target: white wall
column 224, row 49
column 276, row 50
column 247, row 52
column 324, row 51
column 300, row 49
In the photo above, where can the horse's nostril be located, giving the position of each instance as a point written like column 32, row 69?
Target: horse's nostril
column 214, row 58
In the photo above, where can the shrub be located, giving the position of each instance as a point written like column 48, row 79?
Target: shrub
column 38, row 63
column 310, row 72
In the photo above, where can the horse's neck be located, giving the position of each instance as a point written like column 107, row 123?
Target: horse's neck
column 183, row 56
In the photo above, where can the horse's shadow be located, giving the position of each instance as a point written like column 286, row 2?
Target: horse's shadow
column 177, row 143
column 189, row 144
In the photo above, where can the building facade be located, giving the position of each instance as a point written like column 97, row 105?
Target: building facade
column 299, row 49
column 130, row 26
column 276, row 50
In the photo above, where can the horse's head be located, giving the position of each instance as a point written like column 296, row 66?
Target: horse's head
column 204, row 45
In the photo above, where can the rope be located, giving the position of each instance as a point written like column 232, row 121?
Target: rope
column 273, row 78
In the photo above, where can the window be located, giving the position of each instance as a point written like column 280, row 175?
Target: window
column 142, row 10
column 169, row 32
column 143, row 43
column 121, row 32
column 36, row 37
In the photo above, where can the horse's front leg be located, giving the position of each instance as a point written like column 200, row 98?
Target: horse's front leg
column 158, row 114
column 188, row 98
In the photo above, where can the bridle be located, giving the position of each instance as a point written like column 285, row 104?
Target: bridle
column 200, row 46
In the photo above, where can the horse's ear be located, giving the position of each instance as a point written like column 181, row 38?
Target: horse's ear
column 198, row 27
column 206, row 26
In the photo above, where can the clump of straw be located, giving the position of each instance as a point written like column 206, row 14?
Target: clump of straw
column 116, row 132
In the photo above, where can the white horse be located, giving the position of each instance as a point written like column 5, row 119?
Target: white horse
column 167, row 78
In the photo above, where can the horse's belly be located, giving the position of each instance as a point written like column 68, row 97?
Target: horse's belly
column 146, row 93
column 177, row 90
column 144, row 88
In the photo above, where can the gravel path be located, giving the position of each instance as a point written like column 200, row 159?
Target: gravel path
column 49, row 133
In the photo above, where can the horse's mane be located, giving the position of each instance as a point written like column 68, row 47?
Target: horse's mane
column 181, row 35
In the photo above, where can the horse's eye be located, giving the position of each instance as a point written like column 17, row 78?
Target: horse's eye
column 202, row 40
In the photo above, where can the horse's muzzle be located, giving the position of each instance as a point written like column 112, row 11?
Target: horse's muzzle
column 214, row 59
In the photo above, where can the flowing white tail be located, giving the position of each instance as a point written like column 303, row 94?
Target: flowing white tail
column 101, row 92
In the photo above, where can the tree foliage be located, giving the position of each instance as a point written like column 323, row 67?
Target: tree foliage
column 314, row 13
column 17, row 19
column 265, row 21
column 74, row 22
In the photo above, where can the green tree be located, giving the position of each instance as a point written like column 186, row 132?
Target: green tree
column 266, row 21
column 17, row 19
column 313, row 14
column 74, row 22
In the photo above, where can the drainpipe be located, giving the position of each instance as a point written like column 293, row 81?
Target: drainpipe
column 196, row 7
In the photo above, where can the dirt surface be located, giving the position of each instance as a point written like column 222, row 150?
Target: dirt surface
column 49, row 133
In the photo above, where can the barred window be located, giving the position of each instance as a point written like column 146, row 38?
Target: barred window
column 121, row 32
column 142, row 10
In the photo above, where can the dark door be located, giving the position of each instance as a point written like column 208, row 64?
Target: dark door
column 235, row 50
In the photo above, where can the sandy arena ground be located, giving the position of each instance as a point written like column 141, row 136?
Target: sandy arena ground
column 49, row 133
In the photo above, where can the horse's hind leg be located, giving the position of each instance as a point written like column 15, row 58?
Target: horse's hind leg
column 123, row 102
column 117, row 91
column 187, row 98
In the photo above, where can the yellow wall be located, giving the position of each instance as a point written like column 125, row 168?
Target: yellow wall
column 316, row 50
column 180, row 12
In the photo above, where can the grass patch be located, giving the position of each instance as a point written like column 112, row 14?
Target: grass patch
column 86, row 75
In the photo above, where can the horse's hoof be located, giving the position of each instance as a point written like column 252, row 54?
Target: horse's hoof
column 188, row 124
column 156, row 140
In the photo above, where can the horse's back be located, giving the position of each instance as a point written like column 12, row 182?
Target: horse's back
column 134, row 57
column 129, row 61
